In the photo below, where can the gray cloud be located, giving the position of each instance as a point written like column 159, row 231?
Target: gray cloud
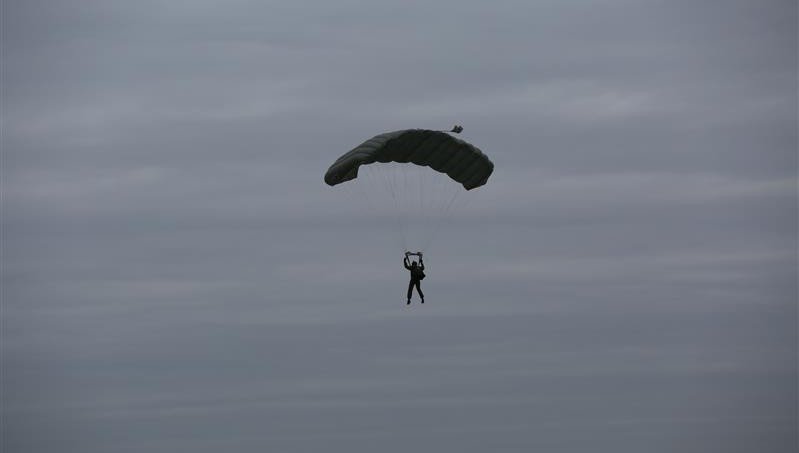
column 177, row 276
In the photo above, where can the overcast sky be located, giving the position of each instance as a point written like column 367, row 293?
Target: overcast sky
column 176, row 275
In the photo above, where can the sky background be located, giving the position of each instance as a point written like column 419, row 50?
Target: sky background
column 176, row 276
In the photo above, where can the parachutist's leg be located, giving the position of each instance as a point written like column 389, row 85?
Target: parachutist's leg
column 419, row 290
column 410, row 290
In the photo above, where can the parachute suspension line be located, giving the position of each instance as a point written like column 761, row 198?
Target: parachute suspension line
column 443, row 212
column 447, row 186
column 437, row 209
column 396, row 195
column 416, row 208
column 412, row 210
column 370, row 179
column 438, row 185
column 424, row 196
column 350, row 194
column 388, row 175
column 363, row 193
column 405, row 209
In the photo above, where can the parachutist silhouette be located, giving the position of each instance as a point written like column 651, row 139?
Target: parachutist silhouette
column 417, row 274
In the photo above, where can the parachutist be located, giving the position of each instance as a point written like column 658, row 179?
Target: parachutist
column 435, row 154
column 417, row 274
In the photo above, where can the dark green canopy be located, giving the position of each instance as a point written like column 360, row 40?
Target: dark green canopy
column 438, row 150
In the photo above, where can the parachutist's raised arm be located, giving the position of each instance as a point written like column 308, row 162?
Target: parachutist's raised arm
column 406, row 263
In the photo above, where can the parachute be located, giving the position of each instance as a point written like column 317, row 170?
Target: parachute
column 438, row 150
column 411, row 173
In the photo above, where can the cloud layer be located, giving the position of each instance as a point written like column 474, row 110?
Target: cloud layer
column 177, row 276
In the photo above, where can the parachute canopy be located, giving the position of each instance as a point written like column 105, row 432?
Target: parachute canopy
column 438, row 150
